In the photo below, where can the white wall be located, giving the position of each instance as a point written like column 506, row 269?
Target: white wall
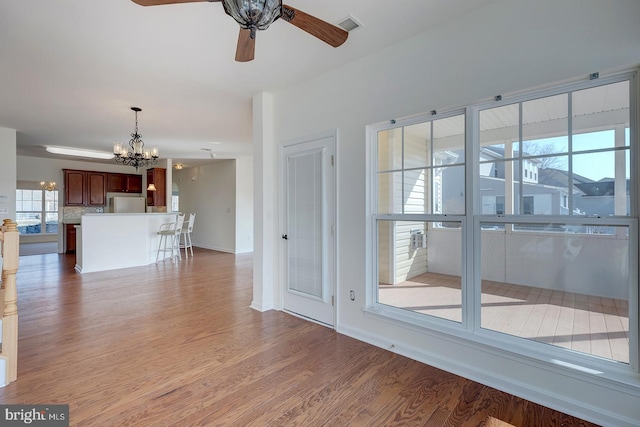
column 244, row 205
column 491, row 51
column 265, row 232
column 210, row 192
column 8, row 172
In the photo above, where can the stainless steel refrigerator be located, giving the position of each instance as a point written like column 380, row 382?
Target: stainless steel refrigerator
column 128, row 204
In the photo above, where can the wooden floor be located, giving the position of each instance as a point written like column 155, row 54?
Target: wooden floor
column 585, row 323
column 169, row 345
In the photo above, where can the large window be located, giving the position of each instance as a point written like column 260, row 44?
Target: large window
column 521, row 231
column 37, row 211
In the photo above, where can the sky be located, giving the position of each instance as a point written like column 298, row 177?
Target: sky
column 594, row 166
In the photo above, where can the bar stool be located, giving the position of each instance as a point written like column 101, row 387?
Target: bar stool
column 186, row 235
column 170, row 238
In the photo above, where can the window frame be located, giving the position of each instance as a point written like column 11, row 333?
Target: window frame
column 42, row 212
column 470, row 328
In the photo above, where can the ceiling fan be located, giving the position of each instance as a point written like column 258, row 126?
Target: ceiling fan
column 253, row 15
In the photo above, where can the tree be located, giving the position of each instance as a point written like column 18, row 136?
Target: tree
column 552, row 156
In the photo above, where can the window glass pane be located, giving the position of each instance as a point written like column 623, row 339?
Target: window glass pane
column 499, row 129
column 545, row 194
column 51, row 201
column 389, row 192
column 419, row 268
column 417, row 145
column 494, row 184
column 451, row 182
column 604, row 190
column 596, row 140
column 51, row 222
column 390, row 149
column 545, row 127
column 447, row 188
column 561, row 288
column 448, row 140
column 29, row 223
column 599, row 109
column 416, row 197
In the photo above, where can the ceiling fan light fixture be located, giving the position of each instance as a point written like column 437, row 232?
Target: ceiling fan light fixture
column 253, row 14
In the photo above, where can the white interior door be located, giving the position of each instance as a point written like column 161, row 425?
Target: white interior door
column 309, row 212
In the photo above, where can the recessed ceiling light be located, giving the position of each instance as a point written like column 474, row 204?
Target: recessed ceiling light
column 79, row 152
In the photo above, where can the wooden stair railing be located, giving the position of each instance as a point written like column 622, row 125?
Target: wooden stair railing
column 10, row 239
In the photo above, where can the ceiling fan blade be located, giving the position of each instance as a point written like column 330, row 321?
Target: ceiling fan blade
column 161, row 2
column 246, row 46
column 326, row 32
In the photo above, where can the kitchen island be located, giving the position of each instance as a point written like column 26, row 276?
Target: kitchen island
column 108, row 241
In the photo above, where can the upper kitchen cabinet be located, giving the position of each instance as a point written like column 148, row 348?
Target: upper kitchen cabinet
column 124, row 183
column 85, row 188
column 96, row 188
column 157, row 177
column 134, row 184
column 75, row 184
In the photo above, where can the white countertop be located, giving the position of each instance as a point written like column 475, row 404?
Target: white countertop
column 78, row 220
column 129, row 214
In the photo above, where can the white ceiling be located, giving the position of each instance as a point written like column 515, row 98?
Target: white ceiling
column 71, row 69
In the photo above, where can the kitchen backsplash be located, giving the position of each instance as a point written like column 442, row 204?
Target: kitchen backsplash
column 73, row 212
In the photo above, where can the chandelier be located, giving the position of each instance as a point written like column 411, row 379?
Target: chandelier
column 135, row 155
column 48, row 186
column 253, row 14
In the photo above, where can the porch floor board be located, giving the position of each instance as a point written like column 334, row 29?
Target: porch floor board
column 586, row 323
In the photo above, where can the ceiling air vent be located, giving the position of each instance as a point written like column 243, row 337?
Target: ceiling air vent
column 350, row 23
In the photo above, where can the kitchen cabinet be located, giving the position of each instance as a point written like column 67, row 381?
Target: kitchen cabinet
column 74, row 188
column 96, row 188
column 157, row 177
column 85, row 188
column 134, row 184
column 70, row 233
column 124, row 183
